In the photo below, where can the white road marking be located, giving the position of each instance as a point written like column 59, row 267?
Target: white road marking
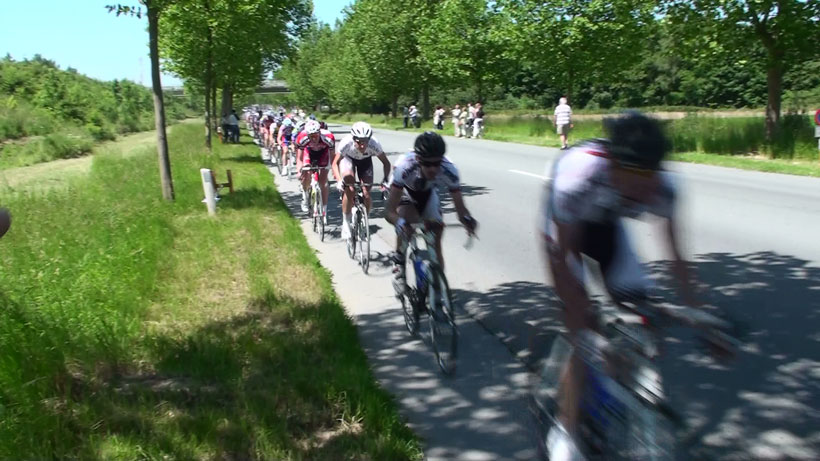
column 544, row 178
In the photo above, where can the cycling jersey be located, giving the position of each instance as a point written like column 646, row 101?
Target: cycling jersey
column 580, row 190
column 316, row 152
column 347, row 148
column 416, row 188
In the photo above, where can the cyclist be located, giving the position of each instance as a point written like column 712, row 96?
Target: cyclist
column 284, row 140
column 314, row 147
column 414, row 197
column 355, row 154
column 594, row 186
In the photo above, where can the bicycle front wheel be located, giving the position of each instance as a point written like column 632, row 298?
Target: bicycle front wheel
column 351, row 241
column 320, row 214
column 313, row 210
column 363, row 226
column 443, row 332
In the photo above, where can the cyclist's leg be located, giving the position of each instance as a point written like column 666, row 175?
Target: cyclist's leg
column 431, row 214
column 365, row 169
column 346, row 168
column 624, row 277
column 407, row 210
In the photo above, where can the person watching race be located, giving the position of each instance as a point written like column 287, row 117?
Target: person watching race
column 414, row 198
column 594, row 186
column 355, row 156
column 314, row 147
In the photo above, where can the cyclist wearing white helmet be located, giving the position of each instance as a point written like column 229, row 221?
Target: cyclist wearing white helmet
column 355, row 155
column 314, row 147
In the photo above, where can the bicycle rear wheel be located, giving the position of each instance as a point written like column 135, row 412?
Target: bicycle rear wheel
column 363, row 227
column 443, row 332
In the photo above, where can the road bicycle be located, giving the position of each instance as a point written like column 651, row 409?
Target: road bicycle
column 315, row 200
column 624, row 412
column 429, row 293
column 359, row 227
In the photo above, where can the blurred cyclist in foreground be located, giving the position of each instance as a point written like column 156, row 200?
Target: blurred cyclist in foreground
column 593, row 186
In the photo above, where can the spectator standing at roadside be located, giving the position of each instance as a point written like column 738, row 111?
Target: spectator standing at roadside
column 233, row 124
column 406, row 114
column 414, row 116
column 470, row 117
column 563, row 121
column 478, row 123
column 456, row 113
column 462, row 123
column 438, row 118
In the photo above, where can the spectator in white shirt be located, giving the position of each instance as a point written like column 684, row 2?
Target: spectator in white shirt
column 563, row 121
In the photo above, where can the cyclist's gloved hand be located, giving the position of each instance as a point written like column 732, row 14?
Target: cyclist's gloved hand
column 469, row 223
column 401, row 227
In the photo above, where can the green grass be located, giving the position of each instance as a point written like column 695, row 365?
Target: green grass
column 726, row 141
column 795, row 167
column 134, row 328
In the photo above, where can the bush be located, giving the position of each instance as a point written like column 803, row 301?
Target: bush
column 45, row 149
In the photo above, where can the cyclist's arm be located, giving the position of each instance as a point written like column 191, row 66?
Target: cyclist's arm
column 391, row 210
column 679, row 265
column 335, row 166
column 386, row 165
column 566, row 281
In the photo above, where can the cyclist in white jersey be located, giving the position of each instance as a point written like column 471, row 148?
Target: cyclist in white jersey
column 355, row 155
column 414, row 197
column 593, row 186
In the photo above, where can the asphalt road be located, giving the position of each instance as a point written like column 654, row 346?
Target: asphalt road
column 752, row 238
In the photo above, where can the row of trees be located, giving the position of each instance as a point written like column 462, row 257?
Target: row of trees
column 596, row 52
column 214, row 44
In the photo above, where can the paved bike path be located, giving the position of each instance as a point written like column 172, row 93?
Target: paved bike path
column 480, row 413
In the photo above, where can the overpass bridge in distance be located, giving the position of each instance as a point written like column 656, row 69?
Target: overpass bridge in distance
column 266, row 87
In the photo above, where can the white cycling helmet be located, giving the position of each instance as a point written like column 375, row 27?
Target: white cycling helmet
column 361, row 130
column 312, row 126
column 287, row 122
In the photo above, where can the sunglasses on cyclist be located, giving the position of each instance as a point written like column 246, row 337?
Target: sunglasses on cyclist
column 361, row 140
column 430, row 164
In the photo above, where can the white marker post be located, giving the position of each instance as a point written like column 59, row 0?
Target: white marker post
column 208, row 187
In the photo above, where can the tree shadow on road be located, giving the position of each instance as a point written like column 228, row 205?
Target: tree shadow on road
column 763, row 404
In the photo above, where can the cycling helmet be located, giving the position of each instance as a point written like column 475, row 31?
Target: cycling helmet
column 636, row 141
column 312, row 117
column 287, row 122
column 429, row 145
column 312, row 126
column 361, row 130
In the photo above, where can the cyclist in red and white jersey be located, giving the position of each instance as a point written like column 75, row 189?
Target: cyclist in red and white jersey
column 314, row 147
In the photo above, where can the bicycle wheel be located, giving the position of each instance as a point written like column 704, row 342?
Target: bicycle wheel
column 320, row 214
column 409, row 302
column 363, row 227
column 351, row 242
column 443, row 332
column 312, row 211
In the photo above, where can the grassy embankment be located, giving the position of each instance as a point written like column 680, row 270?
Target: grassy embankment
column 737, row 142
column 133, row 328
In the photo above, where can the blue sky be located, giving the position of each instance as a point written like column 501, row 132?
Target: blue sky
column 83, row 35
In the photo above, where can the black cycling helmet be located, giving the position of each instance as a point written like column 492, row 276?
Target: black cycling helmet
column 636, row 141
column 429, row 145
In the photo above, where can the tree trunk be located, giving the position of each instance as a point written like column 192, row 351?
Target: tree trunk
column 425, row 101
column 208, row 114
column 159, row 107
column 774, row 81
column 217, row 118
column 570, row 83
column 395, row 106
column 227, row 99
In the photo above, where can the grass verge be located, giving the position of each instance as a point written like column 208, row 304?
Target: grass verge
column 134, row 328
